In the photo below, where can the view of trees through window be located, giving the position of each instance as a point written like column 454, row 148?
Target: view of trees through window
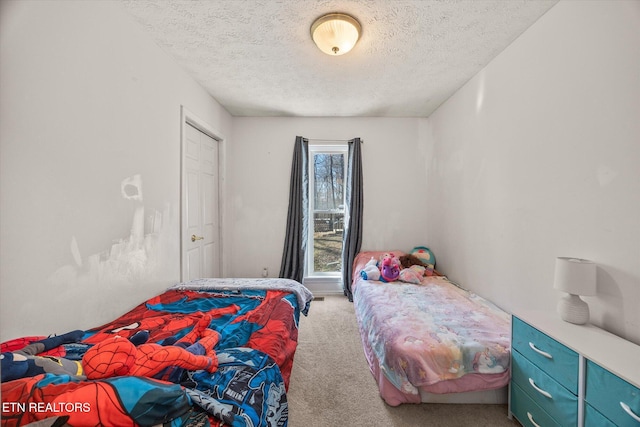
column 328, row 211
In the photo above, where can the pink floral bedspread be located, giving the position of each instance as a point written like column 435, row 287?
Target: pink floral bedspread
column 422, row 335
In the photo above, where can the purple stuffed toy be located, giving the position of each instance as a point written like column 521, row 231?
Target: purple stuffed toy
column 389, row 268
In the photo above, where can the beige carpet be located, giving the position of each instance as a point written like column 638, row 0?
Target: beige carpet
column 331, row 384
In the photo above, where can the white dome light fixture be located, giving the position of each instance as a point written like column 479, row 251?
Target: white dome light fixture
column 335, row 33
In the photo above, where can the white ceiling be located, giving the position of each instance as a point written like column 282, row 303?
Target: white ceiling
column 257, row 58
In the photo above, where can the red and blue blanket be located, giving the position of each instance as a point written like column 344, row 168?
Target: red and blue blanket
column 256, row 326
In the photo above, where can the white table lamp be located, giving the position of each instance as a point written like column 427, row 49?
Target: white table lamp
column 576, row 277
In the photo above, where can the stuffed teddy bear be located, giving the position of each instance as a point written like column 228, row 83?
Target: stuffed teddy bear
column 389, row 268
column 409, row 260
column 422, row 256
column 370, row 270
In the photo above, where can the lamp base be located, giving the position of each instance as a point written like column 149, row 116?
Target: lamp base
column 572, row 309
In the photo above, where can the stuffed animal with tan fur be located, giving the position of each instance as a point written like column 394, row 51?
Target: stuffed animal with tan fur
column 408, row 260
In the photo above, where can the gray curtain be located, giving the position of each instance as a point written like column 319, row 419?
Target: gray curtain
column 295, row 244
column 352, row 238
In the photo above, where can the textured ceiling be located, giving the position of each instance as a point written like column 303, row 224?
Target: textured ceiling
column 257, row 58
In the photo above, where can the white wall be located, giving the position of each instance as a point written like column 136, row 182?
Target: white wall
column 90, row 111
column 259, row 170
column 538, row 156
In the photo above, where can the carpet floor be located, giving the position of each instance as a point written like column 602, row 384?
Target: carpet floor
column 331, row 384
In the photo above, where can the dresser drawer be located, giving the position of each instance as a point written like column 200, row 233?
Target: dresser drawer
column 527, row 411
column 612, row 396
column 593, row 418
column 555, row 359
column 550, row 395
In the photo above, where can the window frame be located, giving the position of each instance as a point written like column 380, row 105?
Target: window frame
column 322, row 148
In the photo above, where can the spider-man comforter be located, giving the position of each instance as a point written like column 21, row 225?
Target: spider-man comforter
column 257, row 320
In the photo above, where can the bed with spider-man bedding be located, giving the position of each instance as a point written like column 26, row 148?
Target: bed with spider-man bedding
column 210, row 352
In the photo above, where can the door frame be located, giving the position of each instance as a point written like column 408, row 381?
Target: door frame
column 188, row 118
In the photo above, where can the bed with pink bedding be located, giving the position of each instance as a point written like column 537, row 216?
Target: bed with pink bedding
column 433, row 341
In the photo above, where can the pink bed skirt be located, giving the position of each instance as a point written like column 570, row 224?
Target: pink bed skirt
column 470, row 382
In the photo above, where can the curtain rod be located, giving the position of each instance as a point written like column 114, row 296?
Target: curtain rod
column 332, row 140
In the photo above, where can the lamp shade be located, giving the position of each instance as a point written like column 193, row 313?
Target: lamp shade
column 575, row 276
column 335, row 33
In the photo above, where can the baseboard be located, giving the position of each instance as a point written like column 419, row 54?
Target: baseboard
column 323, row 286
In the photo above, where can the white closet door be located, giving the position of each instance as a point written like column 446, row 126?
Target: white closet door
column 200, row 213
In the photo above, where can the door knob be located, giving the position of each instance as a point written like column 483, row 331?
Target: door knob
column 194, row 237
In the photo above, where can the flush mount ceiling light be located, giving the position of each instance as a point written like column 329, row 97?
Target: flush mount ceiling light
column 335, row 33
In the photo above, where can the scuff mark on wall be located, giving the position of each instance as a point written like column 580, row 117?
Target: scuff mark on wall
column 75, row 251
column 131, row 188
column 480, row 93
column 146, row 255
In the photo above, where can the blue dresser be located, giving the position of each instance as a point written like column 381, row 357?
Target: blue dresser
column 572, row 375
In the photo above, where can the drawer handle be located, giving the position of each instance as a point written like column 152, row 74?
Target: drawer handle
column 539, row 390
column 531, row 419
column 537, row 350
column 628, row 410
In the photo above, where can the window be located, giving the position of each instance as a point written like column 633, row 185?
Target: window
column 327, row 171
